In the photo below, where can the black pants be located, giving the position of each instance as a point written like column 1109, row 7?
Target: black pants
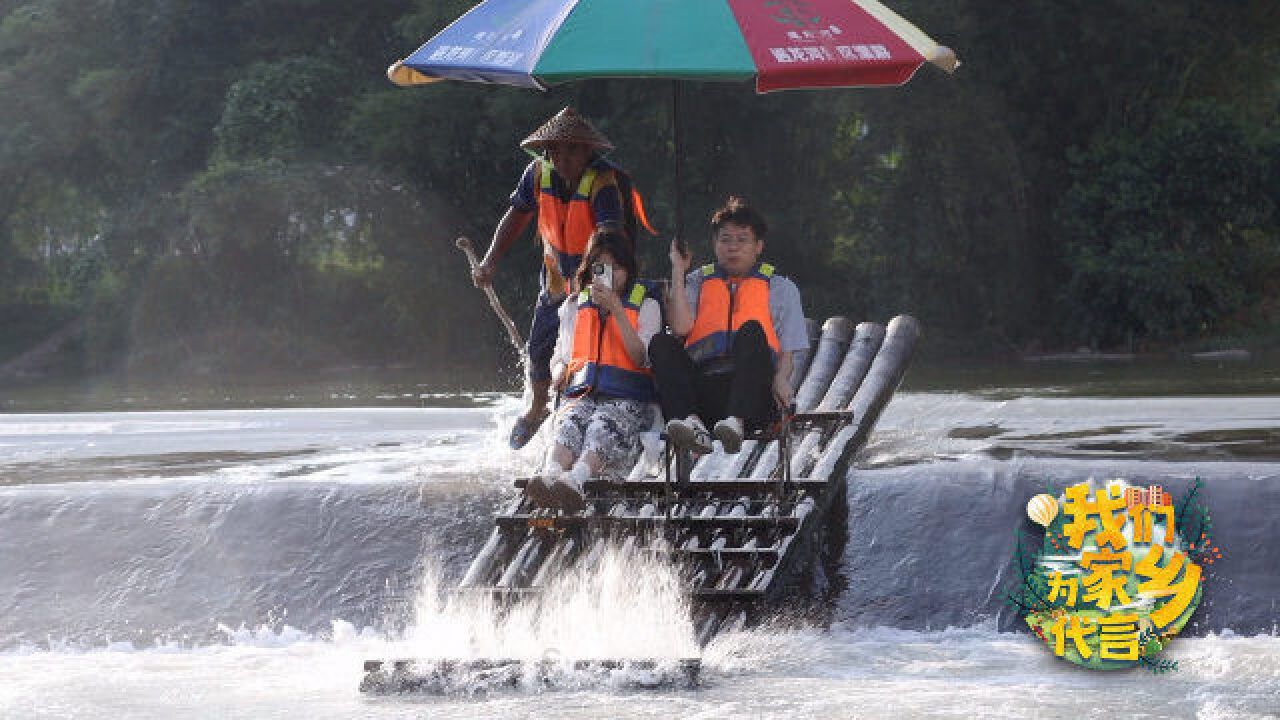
column 745, row 391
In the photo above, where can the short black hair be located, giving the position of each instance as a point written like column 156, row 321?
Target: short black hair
column 736, row 210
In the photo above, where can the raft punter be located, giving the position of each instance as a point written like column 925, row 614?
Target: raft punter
column 741, row 325
column 570, row 188
column 600, row 364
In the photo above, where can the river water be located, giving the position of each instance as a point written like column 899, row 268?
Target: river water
column 242, row 564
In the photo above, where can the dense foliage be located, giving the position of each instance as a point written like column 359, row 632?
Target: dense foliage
column 203, row 185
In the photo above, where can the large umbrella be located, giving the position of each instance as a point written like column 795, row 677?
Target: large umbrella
column 783, row 44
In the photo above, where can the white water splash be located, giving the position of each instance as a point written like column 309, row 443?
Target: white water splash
column 624, row 605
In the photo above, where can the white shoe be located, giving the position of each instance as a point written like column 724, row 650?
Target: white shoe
column 689, row 433
column 581, row 473
column 729, row 432
column 566, row 491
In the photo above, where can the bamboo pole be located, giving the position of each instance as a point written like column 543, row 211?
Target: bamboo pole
column 512, row 333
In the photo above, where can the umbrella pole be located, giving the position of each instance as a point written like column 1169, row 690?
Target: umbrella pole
column 676, row 142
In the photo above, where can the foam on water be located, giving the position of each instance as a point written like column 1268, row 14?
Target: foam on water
column 621, row 605
column 768, row 673
column 159, row 553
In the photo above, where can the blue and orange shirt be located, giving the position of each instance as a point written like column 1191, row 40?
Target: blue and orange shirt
column 567, row 216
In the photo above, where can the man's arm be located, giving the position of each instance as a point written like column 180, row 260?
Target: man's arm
column 679, row 314
column 510, row 228
column 788, row 323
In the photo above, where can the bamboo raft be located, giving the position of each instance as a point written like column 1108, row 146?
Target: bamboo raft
column 742, row 527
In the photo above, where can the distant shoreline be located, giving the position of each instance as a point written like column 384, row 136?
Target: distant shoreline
column 1088, row 356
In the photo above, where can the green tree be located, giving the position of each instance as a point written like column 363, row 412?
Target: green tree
column 1172, row 233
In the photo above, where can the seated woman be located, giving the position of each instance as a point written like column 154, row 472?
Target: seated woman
column 741, row 324
column 600, row 364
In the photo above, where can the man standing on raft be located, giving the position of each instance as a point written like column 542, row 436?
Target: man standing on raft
column 571, row 188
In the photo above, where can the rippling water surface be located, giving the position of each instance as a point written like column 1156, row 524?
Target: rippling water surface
column 242, row 563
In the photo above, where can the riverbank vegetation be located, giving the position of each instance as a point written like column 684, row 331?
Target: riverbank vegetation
column 225, row 186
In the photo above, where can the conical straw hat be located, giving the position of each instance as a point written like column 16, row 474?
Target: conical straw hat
column 566, row 126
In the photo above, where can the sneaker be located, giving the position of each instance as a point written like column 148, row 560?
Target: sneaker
column 729, row 432
column 581, row 473
column 538, row 489
column 689, row 433
column 566, row 491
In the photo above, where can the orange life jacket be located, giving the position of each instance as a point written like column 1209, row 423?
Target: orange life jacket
column 566, row 227
column 600, row 362
column 722, row 309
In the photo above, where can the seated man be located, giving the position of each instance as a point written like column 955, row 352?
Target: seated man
column 599, row 362
column 741, row 325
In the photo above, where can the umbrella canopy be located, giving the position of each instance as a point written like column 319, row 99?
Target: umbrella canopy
column 783, row 44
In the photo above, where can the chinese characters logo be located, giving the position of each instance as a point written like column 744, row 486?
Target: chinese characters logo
column 798, row 13
column 1114, row 580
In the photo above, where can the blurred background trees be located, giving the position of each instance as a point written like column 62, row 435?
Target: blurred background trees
column 195, row 186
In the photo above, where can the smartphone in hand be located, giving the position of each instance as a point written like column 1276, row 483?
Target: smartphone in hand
column 604, row 273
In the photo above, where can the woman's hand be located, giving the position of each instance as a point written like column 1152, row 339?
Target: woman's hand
column 560, row 378
column 604, row 296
